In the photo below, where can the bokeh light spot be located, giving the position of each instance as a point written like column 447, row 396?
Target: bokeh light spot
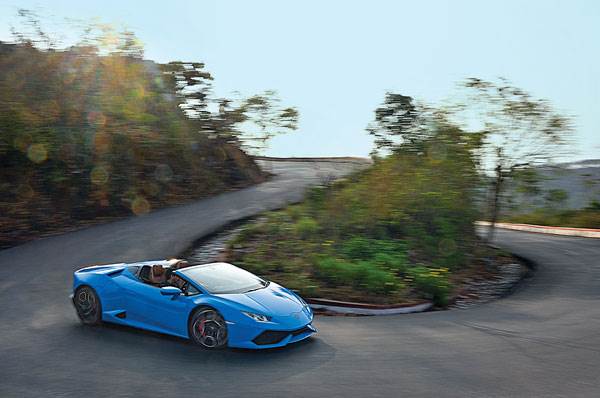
column 37, row 153
column 99, row 175
column 140, row 206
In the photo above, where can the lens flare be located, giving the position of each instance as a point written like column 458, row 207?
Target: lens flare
column 99, row 175
column 37, row 153
column 140, row 206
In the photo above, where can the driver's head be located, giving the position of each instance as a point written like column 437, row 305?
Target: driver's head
column 157, row 270
column 181, row 264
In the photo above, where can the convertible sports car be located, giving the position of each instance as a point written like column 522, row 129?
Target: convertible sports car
column 214, row 305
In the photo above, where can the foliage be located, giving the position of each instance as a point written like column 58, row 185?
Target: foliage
column 397, row 118
column 252, row 121
column 95, row 131
column 362, row 237
column 519, row 132
column 582, row 218
column 268, row 119
column 361, row 275
column 556, row 197
column 433, row 282
column 306, row 227
column 527, row 181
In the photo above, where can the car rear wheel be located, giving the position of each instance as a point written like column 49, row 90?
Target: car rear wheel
column 87, row 305
column 208, row 329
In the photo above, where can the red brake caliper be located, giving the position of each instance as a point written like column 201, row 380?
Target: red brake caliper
column 201, row 327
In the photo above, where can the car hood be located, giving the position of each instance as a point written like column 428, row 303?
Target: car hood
column 271, row 300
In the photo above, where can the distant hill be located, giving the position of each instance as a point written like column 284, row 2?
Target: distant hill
column 580, row 180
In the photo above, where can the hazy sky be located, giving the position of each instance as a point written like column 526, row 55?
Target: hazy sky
column 334, row 60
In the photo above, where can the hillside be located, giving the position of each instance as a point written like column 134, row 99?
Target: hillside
column 579, row 180
column 87, row 137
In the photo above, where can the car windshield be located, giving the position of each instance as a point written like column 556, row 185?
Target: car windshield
column 222, row 278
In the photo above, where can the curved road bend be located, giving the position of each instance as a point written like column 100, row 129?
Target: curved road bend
column 542, row 341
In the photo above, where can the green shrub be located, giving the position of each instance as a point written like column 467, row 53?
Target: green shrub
column 582, row 218
column 306, row 227
column 396, row 262
column 375, row 280
column 315, row 197
column 358, row 248
column 361, row 275
column 295, row 212
column 432, row 283
column 336, row 272
column 362, row 248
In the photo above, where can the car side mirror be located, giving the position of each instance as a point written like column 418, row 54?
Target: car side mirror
column 171, row 291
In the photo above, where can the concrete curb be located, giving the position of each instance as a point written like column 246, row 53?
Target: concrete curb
column 342, row 307
column 543, row 229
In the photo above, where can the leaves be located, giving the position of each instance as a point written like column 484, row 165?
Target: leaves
column 520, row 130
column 87, row 134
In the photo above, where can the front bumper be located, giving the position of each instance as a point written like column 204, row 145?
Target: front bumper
column 268, row 336
column 275, row 337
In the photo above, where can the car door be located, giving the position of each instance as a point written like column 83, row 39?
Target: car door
column 147, row 307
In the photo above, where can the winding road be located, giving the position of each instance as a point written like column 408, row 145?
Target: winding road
column 542, row 341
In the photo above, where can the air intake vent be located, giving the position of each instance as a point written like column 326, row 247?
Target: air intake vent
column 115, row 272
column 270, row 337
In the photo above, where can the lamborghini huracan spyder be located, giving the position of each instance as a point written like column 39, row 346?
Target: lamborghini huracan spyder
column 214, row 305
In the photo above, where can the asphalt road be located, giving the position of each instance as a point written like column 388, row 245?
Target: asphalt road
column 542, row 341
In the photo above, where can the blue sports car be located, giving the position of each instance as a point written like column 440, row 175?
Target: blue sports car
column 214, row 305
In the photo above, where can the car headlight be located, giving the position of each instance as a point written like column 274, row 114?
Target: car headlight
column 257, row 317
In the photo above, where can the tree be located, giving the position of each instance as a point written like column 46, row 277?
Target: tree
column 193, row 84
column 251, row 121
column 403, row 125
column 268, row 118
column 94, row 130
column 399, row 121
column 518, row 131
column 556, row 198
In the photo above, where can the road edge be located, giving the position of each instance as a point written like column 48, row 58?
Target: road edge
column 544, row 229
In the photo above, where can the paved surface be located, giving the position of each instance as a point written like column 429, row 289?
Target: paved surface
column 542, row 341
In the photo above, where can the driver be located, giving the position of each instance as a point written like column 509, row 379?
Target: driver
column 158, row 275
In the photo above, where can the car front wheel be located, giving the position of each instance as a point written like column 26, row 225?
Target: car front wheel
column 87, row 305
column 208, row 329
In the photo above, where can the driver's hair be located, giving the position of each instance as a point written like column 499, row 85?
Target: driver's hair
column 181, row 264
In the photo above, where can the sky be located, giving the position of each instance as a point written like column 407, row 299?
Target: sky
column 335, row 60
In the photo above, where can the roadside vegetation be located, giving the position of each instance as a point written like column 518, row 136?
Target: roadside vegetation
column 398, row 231
column 403, row 230
column 588, row 217
column 94, row 131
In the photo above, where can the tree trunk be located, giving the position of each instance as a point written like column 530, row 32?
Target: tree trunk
column 495, row 207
